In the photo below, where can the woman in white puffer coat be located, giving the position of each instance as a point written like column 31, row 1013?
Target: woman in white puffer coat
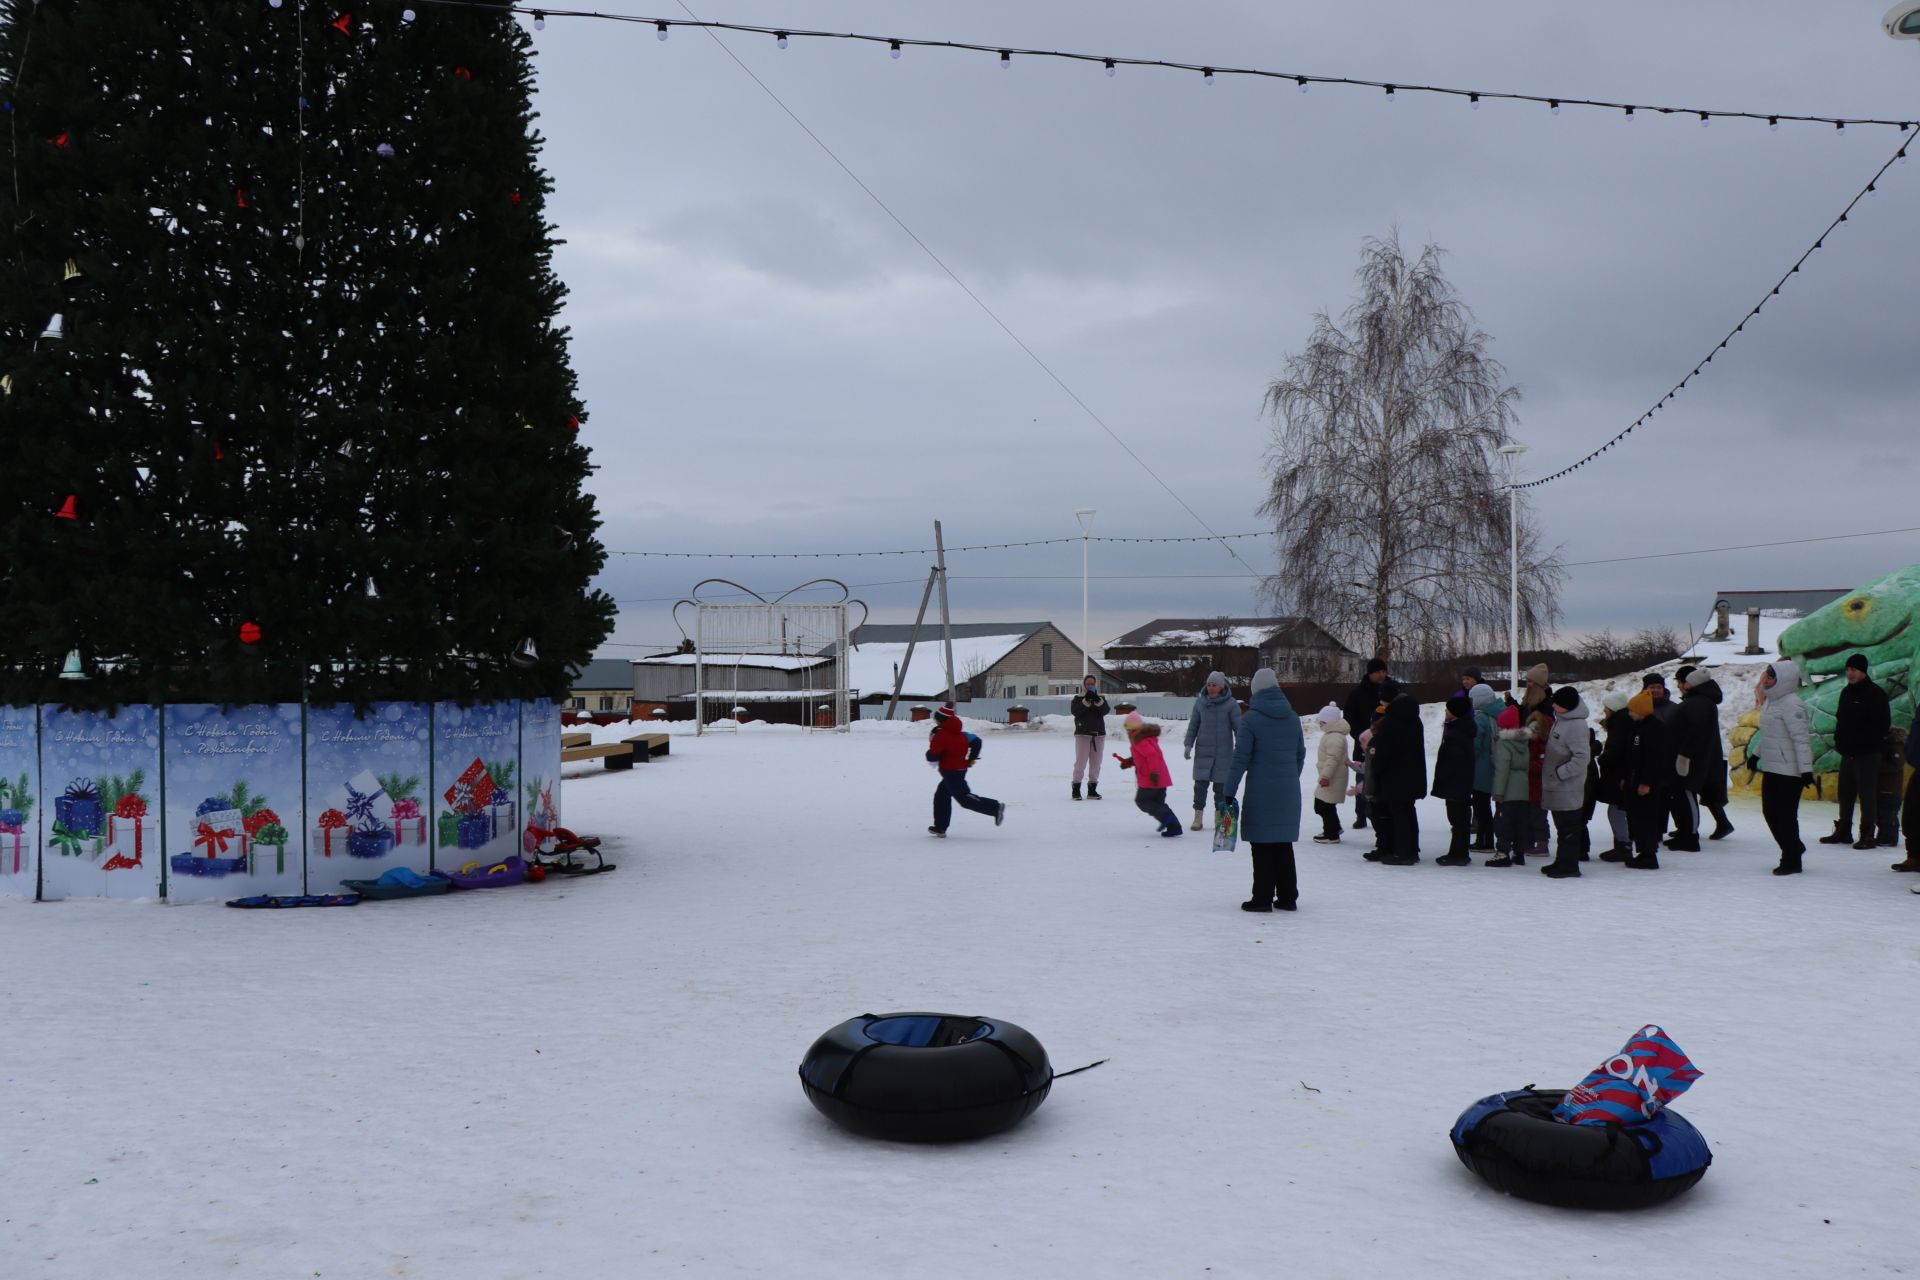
column 1332, row 764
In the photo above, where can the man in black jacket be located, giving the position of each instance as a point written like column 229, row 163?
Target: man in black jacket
column 1680, row 808
column 1860, row 729
column 1650, row 776
column 1375, row 689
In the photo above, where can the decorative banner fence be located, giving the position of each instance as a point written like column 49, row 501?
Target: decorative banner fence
column 196, row 802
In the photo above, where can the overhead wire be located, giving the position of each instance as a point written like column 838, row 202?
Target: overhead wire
column 1302, row 80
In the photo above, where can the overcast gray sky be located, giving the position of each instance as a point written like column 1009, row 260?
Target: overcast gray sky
column 772, row 364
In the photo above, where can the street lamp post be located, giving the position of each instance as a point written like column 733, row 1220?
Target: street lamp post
column 1085, row 516
column 1510, row 452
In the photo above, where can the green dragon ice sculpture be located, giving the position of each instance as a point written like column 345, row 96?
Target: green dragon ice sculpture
column 1881, row 620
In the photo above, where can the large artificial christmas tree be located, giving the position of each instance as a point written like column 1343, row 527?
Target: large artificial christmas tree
column 284, row 412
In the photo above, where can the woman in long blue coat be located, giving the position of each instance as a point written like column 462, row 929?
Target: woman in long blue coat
column 1270, row 754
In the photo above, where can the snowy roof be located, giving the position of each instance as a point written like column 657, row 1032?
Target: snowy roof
column 1796, row 603
column 1731, row 651
column 871, row 665
column 1235, row 633
column 769, row 661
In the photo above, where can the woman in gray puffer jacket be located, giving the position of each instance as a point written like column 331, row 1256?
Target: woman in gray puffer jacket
column 1211, row 729
column 1786, row 761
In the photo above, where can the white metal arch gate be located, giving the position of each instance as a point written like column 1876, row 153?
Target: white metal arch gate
column 801, row 644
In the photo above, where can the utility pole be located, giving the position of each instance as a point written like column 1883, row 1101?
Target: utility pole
column 1510, row 452
column 913, row 638
column 946, row 619
column 1085, row 516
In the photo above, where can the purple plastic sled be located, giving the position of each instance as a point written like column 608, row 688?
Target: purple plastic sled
column 490, row 876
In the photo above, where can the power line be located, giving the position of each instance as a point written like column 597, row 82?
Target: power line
column 1899, row 155
column 1208, row 72
column 1745, row 546
column 978, row 301
column 918, row 551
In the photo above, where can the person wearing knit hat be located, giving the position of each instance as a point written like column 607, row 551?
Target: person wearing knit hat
column 1151, row 777
column 1613, row 767
column 1537, row 682
column 1269, row 756
column 1211, row 726
column 950, row 752
column 1376, row 687
column 1861, row 720
column 1785, row 761
column 1486, row 711
column 1512, row 792
column 1090, row 709
column 1331, row 762
column 1702, row 762
column 1649, row 775
column 1563, row 782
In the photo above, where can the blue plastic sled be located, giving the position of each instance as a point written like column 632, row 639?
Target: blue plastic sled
column 297, row 900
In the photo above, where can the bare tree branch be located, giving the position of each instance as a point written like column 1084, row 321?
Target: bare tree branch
column 1383, row 487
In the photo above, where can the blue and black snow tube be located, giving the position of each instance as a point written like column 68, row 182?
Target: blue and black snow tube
column 926, row 1077
column 1513, row 1141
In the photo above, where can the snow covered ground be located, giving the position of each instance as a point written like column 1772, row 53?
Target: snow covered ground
column 597, row 1078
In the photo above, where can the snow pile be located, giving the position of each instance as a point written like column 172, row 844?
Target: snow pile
column 1708, row 652
column 871, row 666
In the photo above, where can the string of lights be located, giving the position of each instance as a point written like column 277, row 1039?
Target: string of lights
column 1208, row 72
column 920, row 551
column 1899, row 156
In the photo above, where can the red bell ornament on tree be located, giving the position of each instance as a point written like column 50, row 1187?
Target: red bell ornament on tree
column 343, row 24
column 69, row 509
column 250, row 633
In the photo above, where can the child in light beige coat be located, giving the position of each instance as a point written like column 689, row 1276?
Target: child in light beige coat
column 1332, row 762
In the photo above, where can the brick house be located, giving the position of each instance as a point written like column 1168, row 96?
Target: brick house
column 1299, row 650
column 990, row 659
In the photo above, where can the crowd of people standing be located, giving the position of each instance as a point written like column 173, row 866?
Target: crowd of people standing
column 1522, row 774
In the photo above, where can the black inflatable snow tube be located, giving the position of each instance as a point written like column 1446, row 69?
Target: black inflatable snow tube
column 926, row 1077
column 1513, row 1141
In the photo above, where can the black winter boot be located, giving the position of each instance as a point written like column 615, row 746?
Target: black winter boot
column 1840, row 835
column 1076, row 791
column 1645, row 862
column 1093, row 791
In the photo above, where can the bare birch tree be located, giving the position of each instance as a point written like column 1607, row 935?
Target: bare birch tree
column 1387, row 495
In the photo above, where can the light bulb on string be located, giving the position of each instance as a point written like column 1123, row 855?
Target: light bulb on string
column 1629, row 113
column 1553, row 105
column 1303, row 83
column 1389, row 93
column 539, row 20
column 1840, row 125
column 1206, row 76
column 1773, row 124
column 1473, row 102
column 780, row 39
column 1006, row 59
column 1110, row 68
column 1704, row 121
column 659, row 31
column 893, row 49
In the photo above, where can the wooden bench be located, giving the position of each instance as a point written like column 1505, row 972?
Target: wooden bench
column 615, row 755
column 648, row 745
column 575, row 740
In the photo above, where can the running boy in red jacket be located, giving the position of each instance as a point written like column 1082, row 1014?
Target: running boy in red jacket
column 951, row 752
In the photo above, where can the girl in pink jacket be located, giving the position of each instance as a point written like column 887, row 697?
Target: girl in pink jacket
column 1150, row 773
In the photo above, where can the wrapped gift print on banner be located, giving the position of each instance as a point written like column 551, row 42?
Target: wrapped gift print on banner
column 234, row 801
column 19, row 796
column 99, row 831
column 540, row 769
column 367, row 779
column 476, row 767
